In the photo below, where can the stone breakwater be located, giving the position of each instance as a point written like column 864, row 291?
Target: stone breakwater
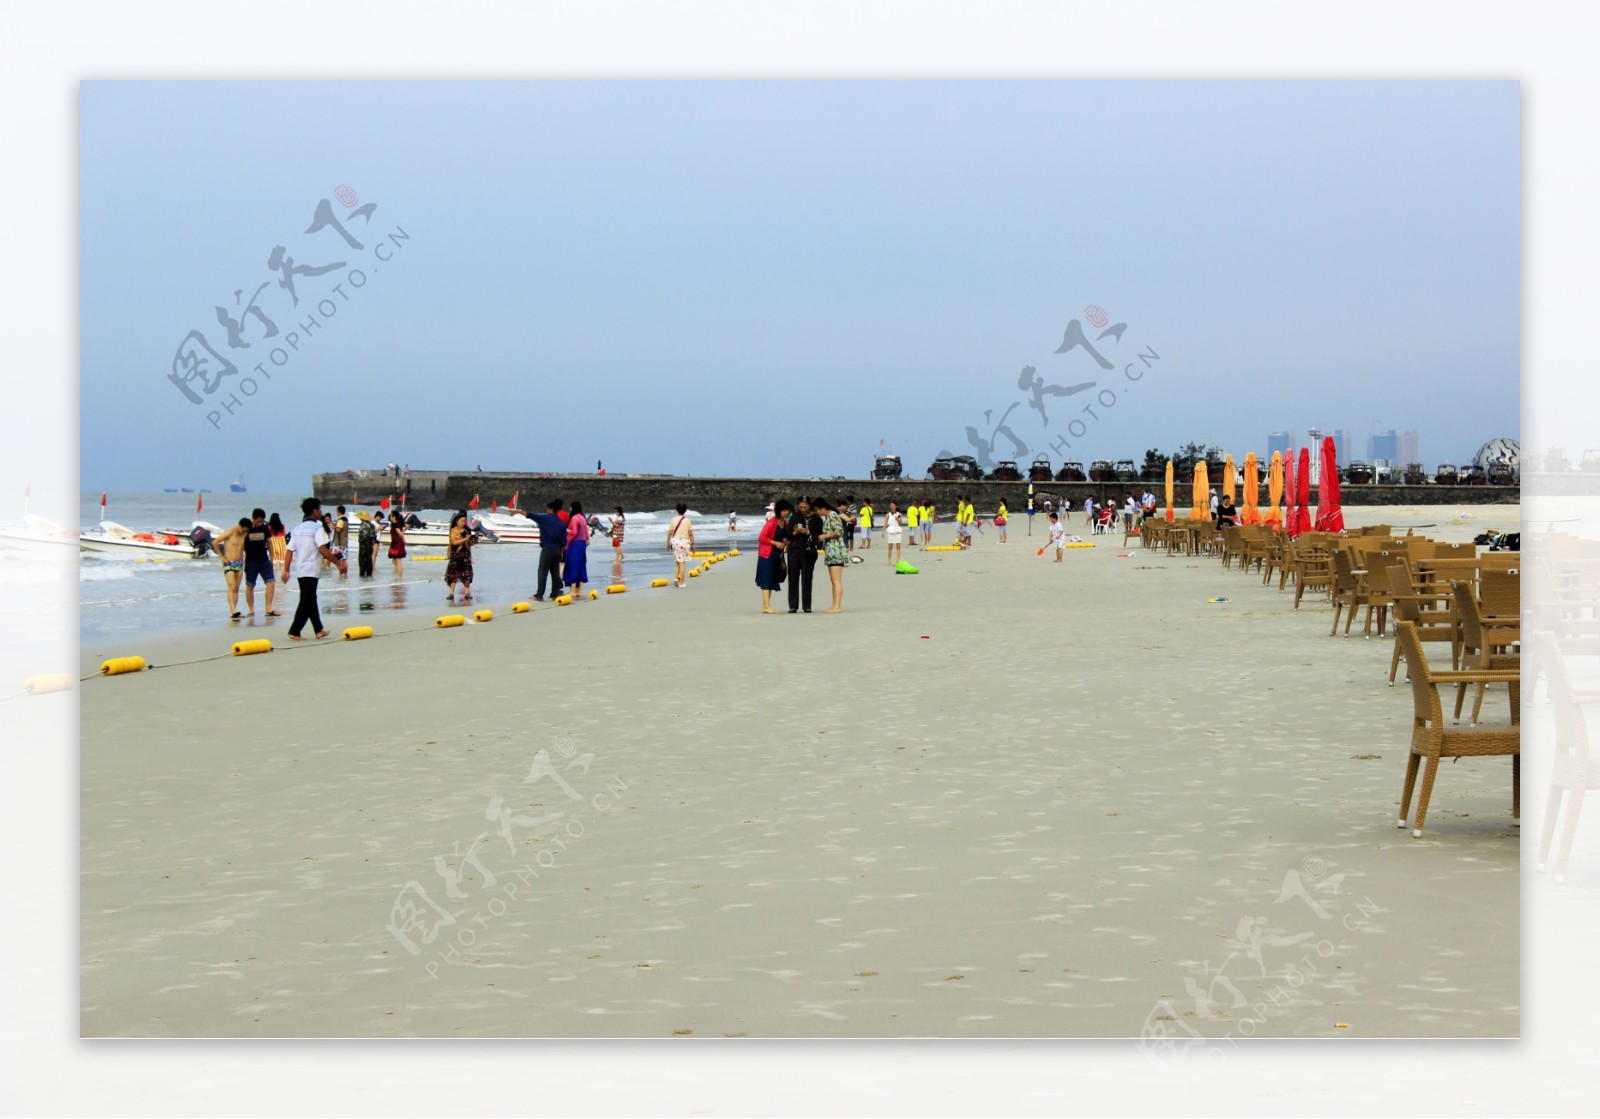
column 454, row 489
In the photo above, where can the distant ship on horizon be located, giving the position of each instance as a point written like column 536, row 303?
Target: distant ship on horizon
column 237, row 485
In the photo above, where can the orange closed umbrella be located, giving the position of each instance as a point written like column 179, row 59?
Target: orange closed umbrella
column 1250, row 513
column 1201, row 497
column 1227, row 478
column 1169, row 489
column 1274, row 489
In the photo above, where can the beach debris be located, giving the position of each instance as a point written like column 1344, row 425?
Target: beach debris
column 925, row 637
column 1341, row 1025
column 445, row 621
column 905, row 568
column 1216, row 600
column 357, row 633
column 248, row 648
column 116, row 666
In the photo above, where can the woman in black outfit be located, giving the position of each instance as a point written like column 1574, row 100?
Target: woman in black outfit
column 801, row 557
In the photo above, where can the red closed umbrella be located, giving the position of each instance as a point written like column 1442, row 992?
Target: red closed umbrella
column 1330, row 514
column 1302, row 512
column 1288, row 494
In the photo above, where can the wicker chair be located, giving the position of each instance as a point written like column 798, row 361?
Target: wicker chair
column 1431, row 625
column 1482, row 647
column 1574, row 771
column 1313, row 567
column 1431, row 740
column 1346, row 591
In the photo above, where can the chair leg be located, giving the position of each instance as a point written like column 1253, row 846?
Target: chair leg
column 1461, row 695
column 1350, row 617
column 1548, row 832
column 1394, row 661
column 1411, row 781
column 1568, row 831
column 1477, row 702
column 1425, row 795
column 1337, row 607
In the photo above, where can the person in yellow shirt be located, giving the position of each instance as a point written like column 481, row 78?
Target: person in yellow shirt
column 926, row 520
column 1000, row 521
column 963, row 523
column 913, row 519
column 864, row 524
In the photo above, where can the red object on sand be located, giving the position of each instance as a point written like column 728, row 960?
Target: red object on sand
column 1330, row 514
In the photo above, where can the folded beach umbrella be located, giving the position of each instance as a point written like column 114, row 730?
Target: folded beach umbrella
column 1288, row 495
column 1227, row 477
column 1169, row 490
column 1201, row 497
column 1330, row 514
column 1274, row 489
column 1302, row 510
column 1250, row 512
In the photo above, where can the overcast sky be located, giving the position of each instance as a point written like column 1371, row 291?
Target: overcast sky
column 770, row 278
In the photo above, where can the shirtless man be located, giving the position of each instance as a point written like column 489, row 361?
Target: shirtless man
column 229, row 547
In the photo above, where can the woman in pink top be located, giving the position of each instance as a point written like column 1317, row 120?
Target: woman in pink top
column 575, row 565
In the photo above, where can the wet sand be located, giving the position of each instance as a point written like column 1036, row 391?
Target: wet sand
column 1003, row 797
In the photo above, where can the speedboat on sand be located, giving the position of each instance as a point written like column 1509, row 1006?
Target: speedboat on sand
column 115, row 539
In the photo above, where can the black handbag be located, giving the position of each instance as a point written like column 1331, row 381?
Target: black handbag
column 780, row 569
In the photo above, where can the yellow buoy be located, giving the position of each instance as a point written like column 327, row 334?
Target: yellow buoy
column 720, row 556
column 426, row 559
column 246, row 648
column 1081, row 544
column 659, row 582
column 942, row 548
column 521, row 607
column 445, row 621
column 593, row 594
column 116, row 666
column 564, row 600
column 733, row 551
column 704, row 552
column 483, row 615
column 51, row 682
column 357, row 633
column 618, row 588
column 694, row 573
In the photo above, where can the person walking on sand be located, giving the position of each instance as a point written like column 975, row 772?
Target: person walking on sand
column 864, row 524
column 552, row 543
column 1058, row 537
column 1000, row 521
column 258, row 562
column 770, row 548
column 307, row 547
column 850, row 513
column 733, row 522
column 615, row 531
column 575, row 563
column 229, row 547
column 458, row 562
column 341, row 535
column 913, row 518
column 893, row 533
column 278, row 545
column 680, row 538
column 800, row 555
column 834, row 556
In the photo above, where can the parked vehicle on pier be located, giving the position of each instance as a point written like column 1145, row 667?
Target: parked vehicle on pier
column 1071, row 472
column 1102, row 470
column 886, row 466
column 1473, row 476
column 1041, row 470
column 1445, row 475
column 1006, row 470
column 1415, row 475
column 1358, row 474
column 1500, row 474
column 1126, row 471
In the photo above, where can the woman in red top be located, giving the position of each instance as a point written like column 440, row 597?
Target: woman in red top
column 397, row 544
column 769, row 553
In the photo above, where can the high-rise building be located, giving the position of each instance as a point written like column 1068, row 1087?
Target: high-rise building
column 1384, row 445
column 1280, row 441
column 1408, row 448
column 1341, row 441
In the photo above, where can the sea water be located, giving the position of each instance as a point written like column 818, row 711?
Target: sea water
column 126, row 594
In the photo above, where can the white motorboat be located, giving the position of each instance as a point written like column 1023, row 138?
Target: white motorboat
column 510, row 528
column 38, row 535
column 115, row 539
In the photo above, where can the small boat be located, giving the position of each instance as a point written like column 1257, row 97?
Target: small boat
column 36, row 534
column 187, row 489
column 1041, row 470
column 237, row 485
column 1446, row 474
column 1358, row 474
column 1006, row 471
column 1473, row 476
column 115, row 539
column 1415, row 475
column 1071, row 472
column 1501, row 474
column 1126, row 471
column 170, row 489
column 1102, row 470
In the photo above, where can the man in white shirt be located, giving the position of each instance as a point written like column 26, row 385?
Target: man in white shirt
column 307, row 548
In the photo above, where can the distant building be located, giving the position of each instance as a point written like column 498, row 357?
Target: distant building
column 1280, row 441
column 1408, row 448
column 1341, row 443
column 1383, row 445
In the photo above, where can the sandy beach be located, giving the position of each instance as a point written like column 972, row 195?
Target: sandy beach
column 1000, row 798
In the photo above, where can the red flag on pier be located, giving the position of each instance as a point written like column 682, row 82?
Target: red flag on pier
column 473, row 504
column 199, row 503
column 494, row 506
column 514, row 497
column 102, row 505
column 384, row 504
